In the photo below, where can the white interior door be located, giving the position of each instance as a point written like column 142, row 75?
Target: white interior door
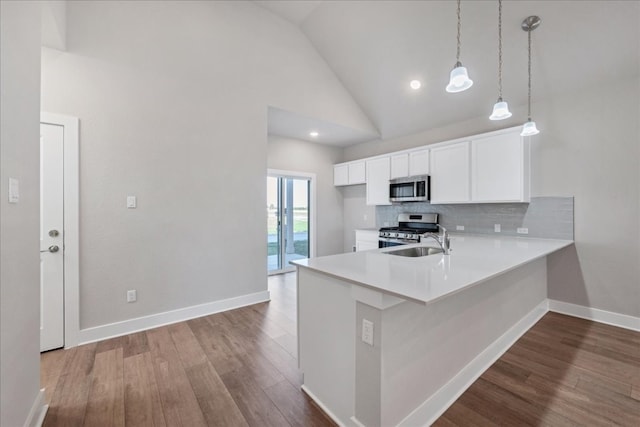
column 51, row 236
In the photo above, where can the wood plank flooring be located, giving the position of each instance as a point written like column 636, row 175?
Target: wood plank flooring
column 563, row 372
column 239, row 368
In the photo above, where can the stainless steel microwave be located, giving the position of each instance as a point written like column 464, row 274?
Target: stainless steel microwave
column 410, row 189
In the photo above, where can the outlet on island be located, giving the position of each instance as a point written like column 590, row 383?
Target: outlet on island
column 367, row 331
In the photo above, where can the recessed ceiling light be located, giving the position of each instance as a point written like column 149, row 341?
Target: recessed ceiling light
column 415, row 84
column 313, row 134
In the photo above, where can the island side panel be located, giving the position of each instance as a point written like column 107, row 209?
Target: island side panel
column 326, row 333
column 426, row 346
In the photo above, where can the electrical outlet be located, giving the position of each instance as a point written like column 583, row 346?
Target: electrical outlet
column 367, row 331
column 497, row 228
column 460, row 227
column 522, row 230
column 132, row 296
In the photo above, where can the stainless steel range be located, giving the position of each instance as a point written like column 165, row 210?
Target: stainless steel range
column 410, row 229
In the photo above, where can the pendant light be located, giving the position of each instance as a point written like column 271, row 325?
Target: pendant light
column 459, row 79
column 501, row 108
column 528, row 25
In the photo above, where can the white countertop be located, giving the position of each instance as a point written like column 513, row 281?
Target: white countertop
column 473, row 259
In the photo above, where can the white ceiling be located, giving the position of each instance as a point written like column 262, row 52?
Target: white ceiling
column 293, row 125
column 376, row 47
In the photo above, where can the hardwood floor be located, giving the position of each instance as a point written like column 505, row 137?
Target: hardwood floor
column 563, row 371
column 236, row 368
column 239, row 368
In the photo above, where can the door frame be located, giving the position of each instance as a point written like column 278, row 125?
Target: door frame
column 312, row 212
column 71, row 242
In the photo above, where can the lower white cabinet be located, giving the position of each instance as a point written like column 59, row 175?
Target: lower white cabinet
column 450, row 173
column 378, row 173
column 366, row 239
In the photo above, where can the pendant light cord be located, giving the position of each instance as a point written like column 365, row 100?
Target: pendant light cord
column 458, row 46
column 500, row 50
column 529, row 71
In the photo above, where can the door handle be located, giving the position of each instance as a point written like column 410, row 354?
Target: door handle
column 52, row 248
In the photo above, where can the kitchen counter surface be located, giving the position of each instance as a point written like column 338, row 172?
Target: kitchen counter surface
column 473, row 259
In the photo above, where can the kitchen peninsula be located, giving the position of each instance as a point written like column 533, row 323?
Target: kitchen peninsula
column 389, row 340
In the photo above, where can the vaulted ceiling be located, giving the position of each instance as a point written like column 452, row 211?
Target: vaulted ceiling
column 377, row 47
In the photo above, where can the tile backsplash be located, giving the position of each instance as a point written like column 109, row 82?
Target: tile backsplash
column 545, row 217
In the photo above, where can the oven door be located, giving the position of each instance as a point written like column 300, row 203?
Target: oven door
column 384, row 242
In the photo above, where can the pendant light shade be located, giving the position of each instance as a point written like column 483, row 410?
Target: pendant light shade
column 459, row 78
column 528, row 25
column 529, row 129
column 501, row 108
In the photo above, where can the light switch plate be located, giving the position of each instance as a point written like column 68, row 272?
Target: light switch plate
column 522, row 230
column 497, row 228
column 459, row 227
column 14, row 190
column 131, row 202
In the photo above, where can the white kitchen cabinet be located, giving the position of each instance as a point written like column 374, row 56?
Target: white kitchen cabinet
column 419, row 162
column 450, row 173
column 357, row 173
column 378, row 173
column 500, row 169
column 399, row 166
column 341, row 174
column 366, row 239
column 349, row 173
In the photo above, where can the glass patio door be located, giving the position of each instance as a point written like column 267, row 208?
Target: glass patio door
column 287, row 221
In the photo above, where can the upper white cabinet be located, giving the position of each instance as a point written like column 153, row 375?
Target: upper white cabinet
column 357, row 172
column 378, row 174
column 341, row 174
column 400, row 165
column 489, row 168
column 419, row 162
column 349, row 173
column 450, row 173
column 500, row 169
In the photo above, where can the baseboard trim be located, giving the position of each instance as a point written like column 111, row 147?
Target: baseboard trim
column 322, row 406
column 595, row 314
column 38, row 411
column 431, row 409
column 125, row 327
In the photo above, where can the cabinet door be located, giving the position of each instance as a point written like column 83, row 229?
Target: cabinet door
column 357, row 173
column 497, row 169
column 419, row 163
column 378, row 172
column 450, row 174
column 366, row 239
column 399, row 166
column 341, row 174
column 365, row 246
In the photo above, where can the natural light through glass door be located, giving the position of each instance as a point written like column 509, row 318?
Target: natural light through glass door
column 287, row 221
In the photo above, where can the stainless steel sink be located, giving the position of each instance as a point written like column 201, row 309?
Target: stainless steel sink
column 416, row 252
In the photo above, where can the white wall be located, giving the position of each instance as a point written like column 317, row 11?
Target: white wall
column 19, row 223
column 588, row 148
column 302, row 156
column 172, row 99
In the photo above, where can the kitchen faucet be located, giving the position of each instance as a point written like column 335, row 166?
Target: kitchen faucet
column 443, row 240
